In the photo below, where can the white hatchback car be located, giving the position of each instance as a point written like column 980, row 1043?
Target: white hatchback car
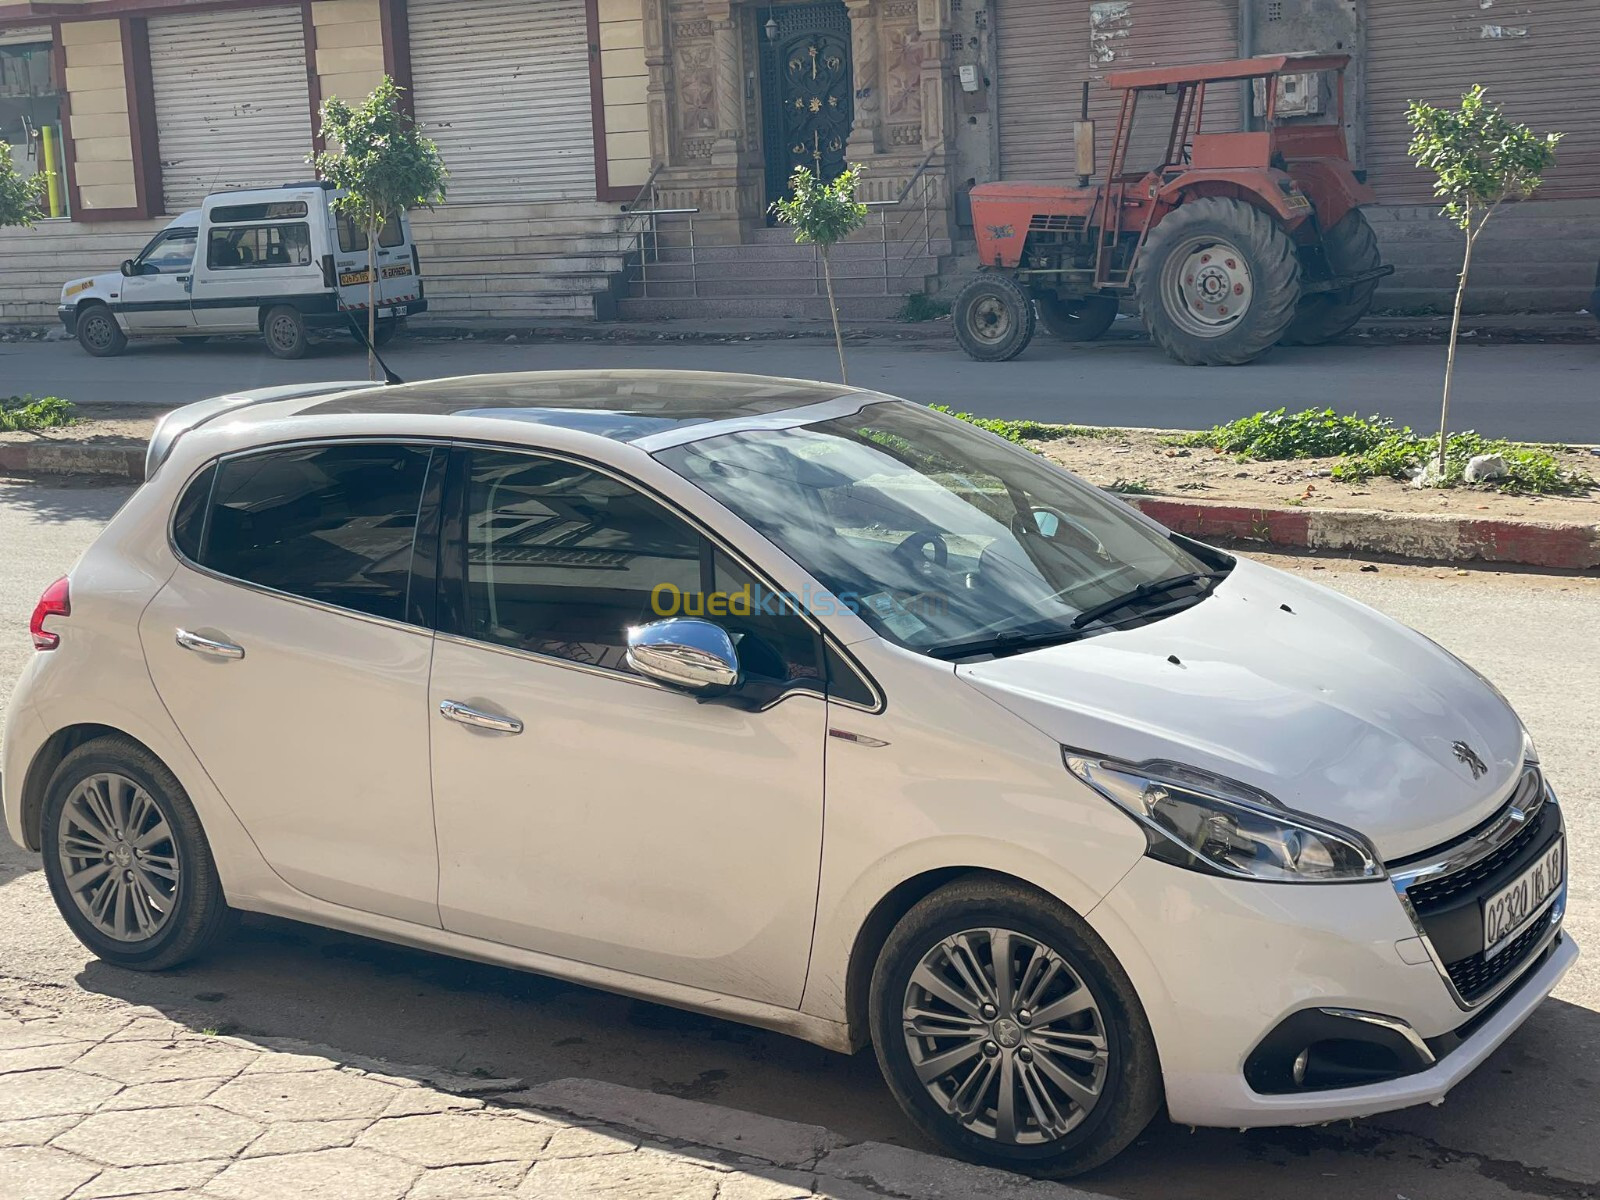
column 805, row 707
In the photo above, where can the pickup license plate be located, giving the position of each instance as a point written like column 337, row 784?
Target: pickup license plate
column 398, row 310
column 1507, row 911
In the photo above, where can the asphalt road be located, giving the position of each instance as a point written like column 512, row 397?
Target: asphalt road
column 1526, row 1124
column 1532, row 392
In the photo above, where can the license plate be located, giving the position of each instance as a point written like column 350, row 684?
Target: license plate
column 398, row 310
column 1507, row 911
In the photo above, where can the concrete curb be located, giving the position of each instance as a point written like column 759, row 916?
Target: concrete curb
column 1415, row 536
column 1418, row 536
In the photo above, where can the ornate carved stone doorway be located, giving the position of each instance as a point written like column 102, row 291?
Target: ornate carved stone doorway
column 807, row 90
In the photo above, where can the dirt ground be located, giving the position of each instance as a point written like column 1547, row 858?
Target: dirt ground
column 1137, row 461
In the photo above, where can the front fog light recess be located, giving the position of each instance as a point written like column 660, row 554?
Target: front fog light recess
column 1206, row 822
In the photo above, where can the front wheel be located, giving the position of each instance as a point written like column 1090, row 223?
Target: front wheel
column 1218, row 282
column 126, row 859
column 1077, row 318
column 99, row 333
column 1009, row 1033
column 994, row 318
column 284, row 331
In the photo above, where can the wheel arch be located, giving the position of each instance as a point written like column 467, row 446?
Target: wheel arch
column 49, row 756
column 1249, row 187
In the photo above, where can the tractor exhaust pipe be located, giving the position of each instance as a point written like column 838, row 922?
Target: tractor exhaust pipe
column 1083, row 140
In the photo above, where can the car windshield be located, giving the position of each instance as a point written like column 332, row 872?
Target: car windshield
column 945, row 539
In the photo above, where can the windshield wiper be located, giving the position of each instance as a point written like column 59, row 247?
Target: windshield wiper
column 1143, row 592
column 1010, row 642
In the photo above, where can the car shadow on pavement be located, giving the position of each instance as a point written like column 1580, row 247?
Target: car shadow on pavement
column 1521, row 1122
column 65, row 498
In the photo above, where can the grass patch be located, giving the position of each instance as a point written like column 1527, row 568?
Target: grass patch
column 920, row 306
column 1130, row 487
column 21, row 413
column 1370, row 447
column 1023, row 432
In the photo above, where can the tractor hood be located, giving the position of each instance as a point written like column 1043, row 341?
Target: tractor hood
column 1326, row 705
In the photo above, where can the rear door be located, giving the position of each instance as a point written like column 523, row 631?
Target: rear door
column 398, row 283
column 253, row 256
column 293, row 651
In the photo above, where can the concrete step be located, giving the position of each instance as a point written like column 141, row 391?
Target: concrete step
column 655, row 309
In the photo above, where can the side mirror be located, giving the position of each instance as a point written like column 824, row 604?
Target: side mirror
column 686, row 653
column 129, row 268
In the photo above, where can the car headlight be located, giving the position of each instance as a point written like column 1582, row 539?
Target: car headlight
column 1208, row 823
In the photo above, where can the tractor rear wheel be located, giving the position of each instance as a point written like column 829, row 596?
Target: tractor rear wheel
column 1218, row 282
column 1076, row 318
column 1351, row 247
column 994, row 318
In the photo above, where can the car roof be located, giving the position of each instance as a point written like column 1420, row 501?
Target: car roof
column 636, row 406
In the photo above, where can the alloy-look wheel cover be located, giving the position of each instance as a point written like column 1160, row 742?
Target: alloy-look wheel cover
column 283, row 332
column 119, row 859
column 1006, row 1036
column 1206, row 286
column 97, row 331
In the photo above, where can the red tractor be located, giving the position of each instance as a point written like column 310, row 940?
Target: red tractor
column 1230, row 243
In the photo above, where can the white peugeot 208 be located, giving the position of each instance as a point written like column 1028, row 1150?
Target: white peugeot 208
column 806, row 707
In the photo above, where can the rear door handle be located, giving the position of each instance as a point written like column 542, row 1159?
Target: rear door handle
column 208, row 646
column 453, row 710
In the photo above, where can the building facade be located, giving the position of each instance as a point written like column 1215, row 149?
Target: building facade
column 553, row 115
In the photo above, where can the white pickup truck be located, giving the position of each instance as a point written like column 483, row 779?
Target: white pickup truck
column 277, row 261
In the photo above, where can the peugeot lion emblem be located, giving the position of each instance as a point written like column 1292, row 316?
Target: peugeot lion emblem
column 1466, row 754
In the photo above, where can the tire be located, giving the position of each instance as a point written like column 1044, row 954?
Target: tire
column 994, row 318
column 195, row 914
column 1079, row 319
column 99, row 333
column 1125, row 1079
column 1200, row 257
column 1350, row 247
column 284, row 331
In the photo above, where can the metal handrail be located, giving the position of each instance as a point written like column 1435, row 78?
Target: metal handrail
column 647, row 190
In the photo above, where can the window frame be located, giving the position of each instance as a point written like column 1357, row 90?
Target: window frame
column 427, row 543
column 450, row 602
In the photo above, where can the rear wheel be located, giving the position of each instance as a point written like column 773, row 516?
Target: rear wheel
column 1076, row 318
column 994, row 318
column 126, row 859
column 99, row 333
column 1009, row 1033
column 1218, row 282
column 1351, row 248
column 284, row 330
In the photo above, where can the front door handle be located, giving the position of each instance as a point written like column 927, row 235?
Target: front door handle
column 208, row 646
column 455, row 711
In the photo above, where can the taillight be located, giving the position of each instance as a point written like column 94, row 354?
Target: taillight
column 56, row 602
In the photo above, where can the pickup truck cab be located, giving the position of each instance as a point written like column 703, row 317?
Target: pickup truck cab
column 277, row 261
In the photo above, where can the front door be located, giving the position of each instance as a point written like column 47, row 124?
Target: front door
column 156, row 298
column 582, row 811
column 806, row 82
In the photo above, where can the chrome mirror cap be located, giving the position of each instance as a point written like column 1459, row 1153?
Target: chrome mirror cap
column 685, row 652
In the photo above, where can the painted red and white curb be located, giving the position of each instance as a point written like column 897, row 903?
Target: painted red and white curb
column 1421, row 537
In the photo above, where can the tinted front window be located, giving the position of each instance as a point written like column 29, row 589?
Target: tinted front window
column 330, row 523
column 171, row 253
column 561, row 560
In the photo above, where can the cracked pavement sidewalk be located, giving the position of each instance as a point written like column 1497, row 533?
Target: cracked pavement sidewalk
column 133, row 1104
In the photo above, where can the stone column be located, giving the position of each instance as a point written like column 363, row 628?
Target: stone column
column 933, row 24
column 729, row 84
column 866, row 133
column 658, row 87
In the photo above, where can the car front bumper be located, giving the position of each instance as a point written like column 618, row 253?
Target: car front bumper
column 68, row 318
column 1219, row 964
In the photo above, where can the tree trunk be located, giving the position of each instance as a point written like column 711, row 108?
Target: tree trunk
column 1450, row 357
column 372, row 301
column 833, row 311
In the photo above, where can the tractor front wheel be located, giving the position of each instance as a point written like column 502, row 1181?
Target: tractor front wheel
column 994, row 318
column 1218, row 282
column 1351, row 248
column 1076, row 318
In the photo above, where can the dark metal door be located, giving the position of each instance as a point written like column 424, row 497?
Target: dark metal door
column 806, row 90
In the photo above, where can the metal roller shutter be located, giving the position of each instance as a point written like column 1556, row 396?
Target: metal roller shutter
column 503, row 87
column 1539, row 60
column 1047, row 48
column 232, row 107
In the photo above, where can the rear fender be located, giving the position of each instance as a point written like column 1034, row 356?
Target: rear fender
column 1332, row 188
column 1259, row 188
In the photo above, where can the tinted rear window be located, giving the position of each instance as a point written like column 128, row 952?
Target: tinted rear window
column 329, row 523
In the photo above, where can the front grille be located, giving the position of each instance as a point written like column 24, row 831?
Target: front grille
column 1436, row 892
column 1476, row 976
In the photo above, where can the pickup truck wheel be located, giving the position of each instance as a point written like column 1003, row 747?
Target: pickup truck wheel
column 1218, row 282
column 1076, row 319
column 284, row 330
column 994, row 318
column 99, row 333
column 1351, row 247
